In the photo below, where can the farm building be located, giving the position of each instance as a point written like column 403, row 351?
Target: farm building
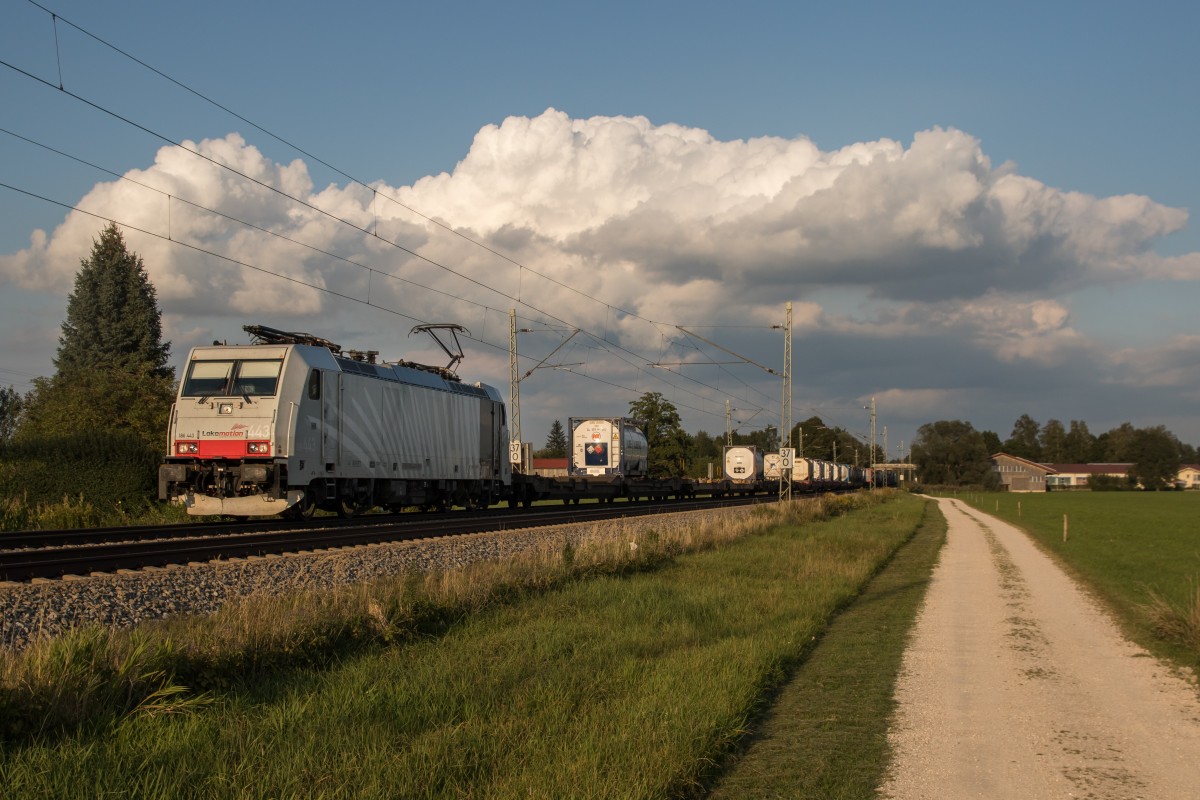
column 550, row 467
column 1020, row 474
column 1188, row 477
column 1075, row 476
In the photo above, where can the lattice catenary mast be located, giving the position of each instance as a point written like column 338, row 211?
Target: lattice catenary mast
column 785, row 478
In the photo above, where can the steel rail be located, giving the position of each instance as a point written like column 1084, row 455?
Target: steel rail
column 87, row 558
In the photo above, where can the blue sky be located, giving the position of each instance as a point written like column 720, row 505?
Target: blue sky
column 1088, row 99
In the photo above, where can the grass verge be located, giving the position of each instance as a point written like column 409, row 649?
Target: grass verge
column 629, row 684
column 825, row 735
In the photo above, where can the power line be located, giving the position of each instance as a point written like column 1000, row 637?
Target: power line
column 601, row 341
column 326, row 164
column 343, row 296
column 375, row 192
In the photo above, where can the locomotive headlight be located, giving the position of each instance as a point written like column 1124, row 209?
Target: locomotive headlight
column 258, row 448
column 186, row 448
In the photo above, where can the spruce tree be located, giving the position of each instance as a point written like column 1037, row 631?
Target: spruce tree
column 113, row 320
column 112, row 372
column 556, row 442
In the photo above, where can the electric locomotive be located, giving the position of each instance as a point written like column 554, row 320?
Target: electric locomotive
column 291, row 423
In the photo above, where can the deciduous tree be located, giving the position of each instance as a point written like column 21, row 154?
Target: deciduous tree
column 11, row 405
column 952, row 453
column 704, row 450
column 1023, row 441
column 1053, row 441
column 1155, row 457
column 1116, row 446
column 667, row 439
column 1081, row 445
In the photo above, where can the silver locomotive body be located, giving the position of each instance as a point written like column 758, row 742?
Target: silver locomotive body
column 260, row 429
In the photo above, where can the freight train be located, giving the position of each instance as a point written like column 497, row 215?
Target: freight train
column 292, row 423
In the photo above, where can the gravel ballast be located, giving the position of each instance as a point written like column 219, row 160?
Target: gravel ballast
column 30, row 611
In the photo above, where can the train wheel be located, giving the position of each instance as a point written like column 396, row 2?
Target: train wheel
column 305, row 508
column 346, row 508
column 307, row 505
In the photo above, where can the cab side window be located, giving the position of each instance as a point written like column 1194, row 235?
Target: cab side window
column 314, row 385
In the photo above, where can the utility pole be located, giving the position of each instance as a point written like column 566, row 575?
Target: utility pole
column 785, row 486
column 728, row 425
column 785, row 479
column 514, row 396
column 872, row 435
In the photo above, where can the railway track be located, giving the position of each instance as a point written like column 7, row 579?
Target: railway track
column 52, row 554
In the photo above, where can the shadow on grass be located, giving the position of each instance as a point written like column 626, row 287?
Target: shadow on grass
column 823, row 733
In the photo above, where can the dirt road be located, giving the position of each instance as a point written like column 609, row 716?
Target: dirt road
column 1017, row 686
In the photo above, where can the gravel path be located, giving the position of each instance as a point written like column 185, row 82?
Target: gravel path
column 1017, row 686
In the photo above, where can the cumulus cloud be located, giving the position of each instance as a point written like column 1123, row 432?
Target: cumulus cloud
column 616, row 206
column 607, row 215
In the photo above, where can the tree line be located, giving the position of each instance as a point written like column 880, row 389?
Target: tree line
column 954, row 453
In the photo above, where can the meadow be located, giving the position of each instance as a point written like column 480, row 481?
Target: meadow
column 1139, row 551
column 633, row 675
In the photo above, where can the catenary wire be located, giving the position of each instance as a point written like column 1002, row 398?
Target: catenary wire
column 602, row 342
column 292, row 279
column 345, row 174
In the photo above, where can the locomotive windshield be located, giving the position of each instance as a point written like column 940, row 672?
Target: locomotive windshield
column 232, row 378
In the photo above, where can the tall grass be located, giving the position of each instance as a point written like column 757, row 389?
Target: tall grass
column 19, row 513
column 59, row 684
column 630, row 683
column 1178, row 622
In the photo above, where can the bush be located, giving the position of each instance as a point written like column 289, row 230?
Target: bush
column 113, row 472
column 1109, row 483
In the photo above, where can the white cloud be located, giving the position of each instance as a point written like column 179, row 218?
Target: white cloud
column 613, row 206
column 664, row 221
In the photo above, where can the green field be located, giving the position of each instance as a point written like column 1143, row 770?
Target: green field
column 636, row 684
column 1130, row 548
